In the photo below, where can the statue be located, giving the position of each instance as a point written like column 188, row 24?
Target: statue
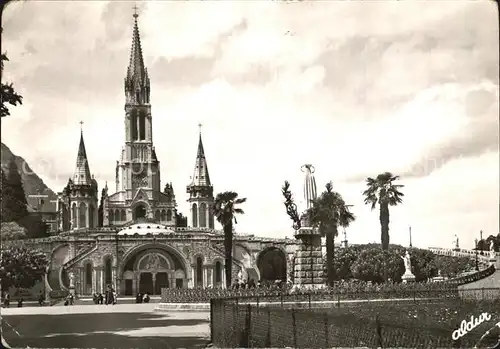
column 71, row 280
column 407, row 262
column 240, row 276
column 492, row 250
column 456, row 243
column 153, row 262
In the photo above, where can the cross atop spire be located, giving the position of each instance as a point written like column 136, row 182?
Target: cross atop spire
column 199, row 126
column 135, row 8
column 81, row 126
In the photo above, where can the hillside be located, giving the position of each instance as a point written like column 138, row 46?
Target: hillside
column 33, row 184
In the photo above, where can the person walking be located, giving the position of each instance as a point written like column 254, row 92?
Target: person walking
column 6, row 300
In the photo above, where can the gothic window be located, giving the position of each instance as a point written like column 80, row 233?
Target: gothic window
column 82, row 217
column 157, row 216
column 123, row 216
column 203, row 215
column 163, row 215
column 169, row 215
column 133, row 124
column 88, row 274
column 199, row 272
column 91, row 216
column 195, row 215
column 111, row 216
column 211, row 220
column 218, row 272
column 107, row 271
column 142, row 126
column 73, row 217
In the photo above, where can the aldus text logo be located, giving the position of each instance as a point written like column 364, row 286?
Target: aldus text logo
column 467, row 326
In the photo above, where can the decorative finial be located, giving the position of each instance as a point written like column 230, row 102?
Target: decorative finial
column 135, row 8
column 81, row 126
column 199, row 126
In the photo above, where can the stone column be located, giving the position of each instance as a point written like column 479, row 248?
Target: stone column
column 192, row 282
column 87, row 217
column 102, row 286
column 82, row 280
column 154, row 281
column 223, row 278
column 94, row 280
column 114, row 282
column 210, row 278
column 134, row 283
column 308, row 262
column 77, row 217
column 127, row 126
column 205, row 281
column 137, row 119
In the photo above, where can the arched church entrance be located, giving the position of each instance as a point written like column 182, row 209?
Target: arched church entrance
column 150, row 270
column 140, row 212
column 272, row 264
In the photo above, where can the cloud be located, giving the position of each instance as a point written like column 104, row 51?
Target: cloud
column 353, row 88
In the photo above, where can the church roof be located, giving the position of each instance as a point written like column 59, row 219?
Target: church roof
column 82, row 173
column 145, row 228
column 200, row 175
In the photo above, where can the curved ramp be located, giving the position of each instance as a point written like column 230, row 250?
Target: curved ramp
column 487, row 288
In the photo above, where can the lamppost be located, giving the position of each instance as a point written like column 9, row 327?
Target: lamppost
column 481, row 240
column 477, row 261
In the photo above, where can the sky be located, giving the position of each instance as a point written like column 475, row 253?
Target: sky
column 354, row 88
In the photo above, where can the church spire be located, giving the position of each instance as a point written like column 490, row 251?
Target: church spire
column 82, row 173
column 201, row 177
column 137, row 79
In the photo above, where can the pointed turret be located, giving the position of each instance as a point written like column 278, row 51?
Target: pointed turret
column 82, row 173
column 200, row 175
column 78, row 202
column 201, row 191
column 137, row 85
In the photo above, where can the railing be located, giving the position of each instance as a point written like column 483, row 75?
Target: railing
column 415, row 320
column 466, row 279
column 199, row 295
column 80, row 255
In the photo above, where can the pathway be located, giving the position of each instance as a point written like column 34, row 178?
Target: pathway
column 98, row 326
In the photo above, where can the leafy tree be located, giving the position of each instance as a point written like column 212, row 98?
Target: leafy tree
column 12, row 231
column 22, row 267
column 373, row 264
column 180, row 220
column 383, row 191
column 8, row 94
column 225, row 211
column 453, row 266
column 328, row 212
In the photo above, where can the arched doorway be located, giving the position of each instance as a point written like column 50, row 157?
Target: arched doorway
column 272, row 265
column 149, row 268
column 140, row 212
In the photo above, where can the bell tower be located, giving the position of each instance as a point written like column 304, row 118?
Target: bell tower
column 201, row 192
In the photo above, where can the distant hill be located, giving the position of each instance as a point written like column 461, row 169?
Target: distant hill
column 33, row 184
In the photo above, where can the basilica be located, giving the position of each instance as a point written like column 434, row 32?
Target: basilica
column 133, row 243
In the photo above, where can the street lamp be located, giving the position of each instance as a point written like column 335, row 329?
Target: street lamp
column 481, row 240
column 477, row 262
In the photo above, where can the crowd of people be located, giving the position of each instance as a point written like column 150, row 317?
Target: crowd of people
column 142, row 298
column 109, row 297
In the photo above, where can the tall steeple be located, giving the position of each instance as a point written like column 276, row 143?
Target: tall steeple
column 200, row 176
column 137, row 84
column 201, row 191
column 82, row 173
column 78, row 201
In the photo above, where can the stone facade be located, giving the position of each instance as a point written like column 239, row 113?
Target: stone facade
column 147, row 262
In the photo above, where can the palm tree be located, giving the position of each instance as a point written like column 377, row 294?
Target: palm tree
column 225, row 211
column 328, row 212
column 383, row 191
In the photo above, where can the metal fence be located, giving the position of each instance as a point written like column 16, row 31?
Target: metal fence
column 422, row 320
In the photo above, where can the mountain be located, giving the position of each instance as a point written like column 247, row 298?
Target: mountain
column 33, row 185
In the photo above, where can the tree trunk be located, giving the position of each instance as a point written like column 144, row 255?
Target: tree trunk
column 330, row 250
column 228, row 249
column 384, row 226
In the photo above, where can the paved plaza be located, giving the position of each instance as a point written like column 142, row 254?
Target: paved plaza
column 98, row 326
